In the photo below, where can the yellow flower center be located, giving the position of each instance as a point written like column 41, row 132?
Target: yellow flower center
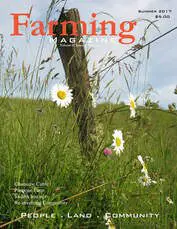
column 118, row 141
column 61, row 94
column 145, row 179
column 144, row 168
column 132, row 104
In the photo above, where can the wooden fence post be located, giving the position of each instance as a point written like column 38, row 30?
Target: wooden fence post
column 75, row 65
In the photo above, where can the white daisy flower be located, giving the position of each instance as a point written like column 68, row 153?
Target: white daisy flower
column 62, row 95
column 110, row 224
column 118, row 142
column 146, row 180
column 141, row 159
column 132, row 105
column 144, row 169
column 169, row 200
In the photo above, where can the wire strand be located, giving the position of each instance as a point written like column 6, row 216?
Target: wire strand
column 65, row 3
column 143, row 46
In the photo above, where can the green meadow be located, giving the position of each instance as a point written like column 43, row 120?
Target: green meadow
column 39, row 146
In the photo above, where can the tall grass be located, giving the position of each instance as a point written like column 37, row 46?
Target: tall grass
column 39, row 143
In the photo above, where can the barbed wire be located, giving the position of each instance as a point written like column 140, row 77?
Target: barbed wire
column 137, row 50
column 65, row 3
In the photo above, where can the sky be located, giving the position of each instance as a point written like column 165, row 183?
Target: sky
column 161, row 69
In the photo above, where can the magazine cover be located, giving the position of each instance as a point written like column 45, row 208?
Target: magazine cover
column 88, row 114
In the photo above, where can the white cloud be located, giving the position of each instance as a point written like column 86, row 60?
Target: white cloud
column 166, row 95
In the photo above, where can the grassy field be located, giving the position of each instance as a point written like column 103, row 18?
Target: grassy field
column 39, row 143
